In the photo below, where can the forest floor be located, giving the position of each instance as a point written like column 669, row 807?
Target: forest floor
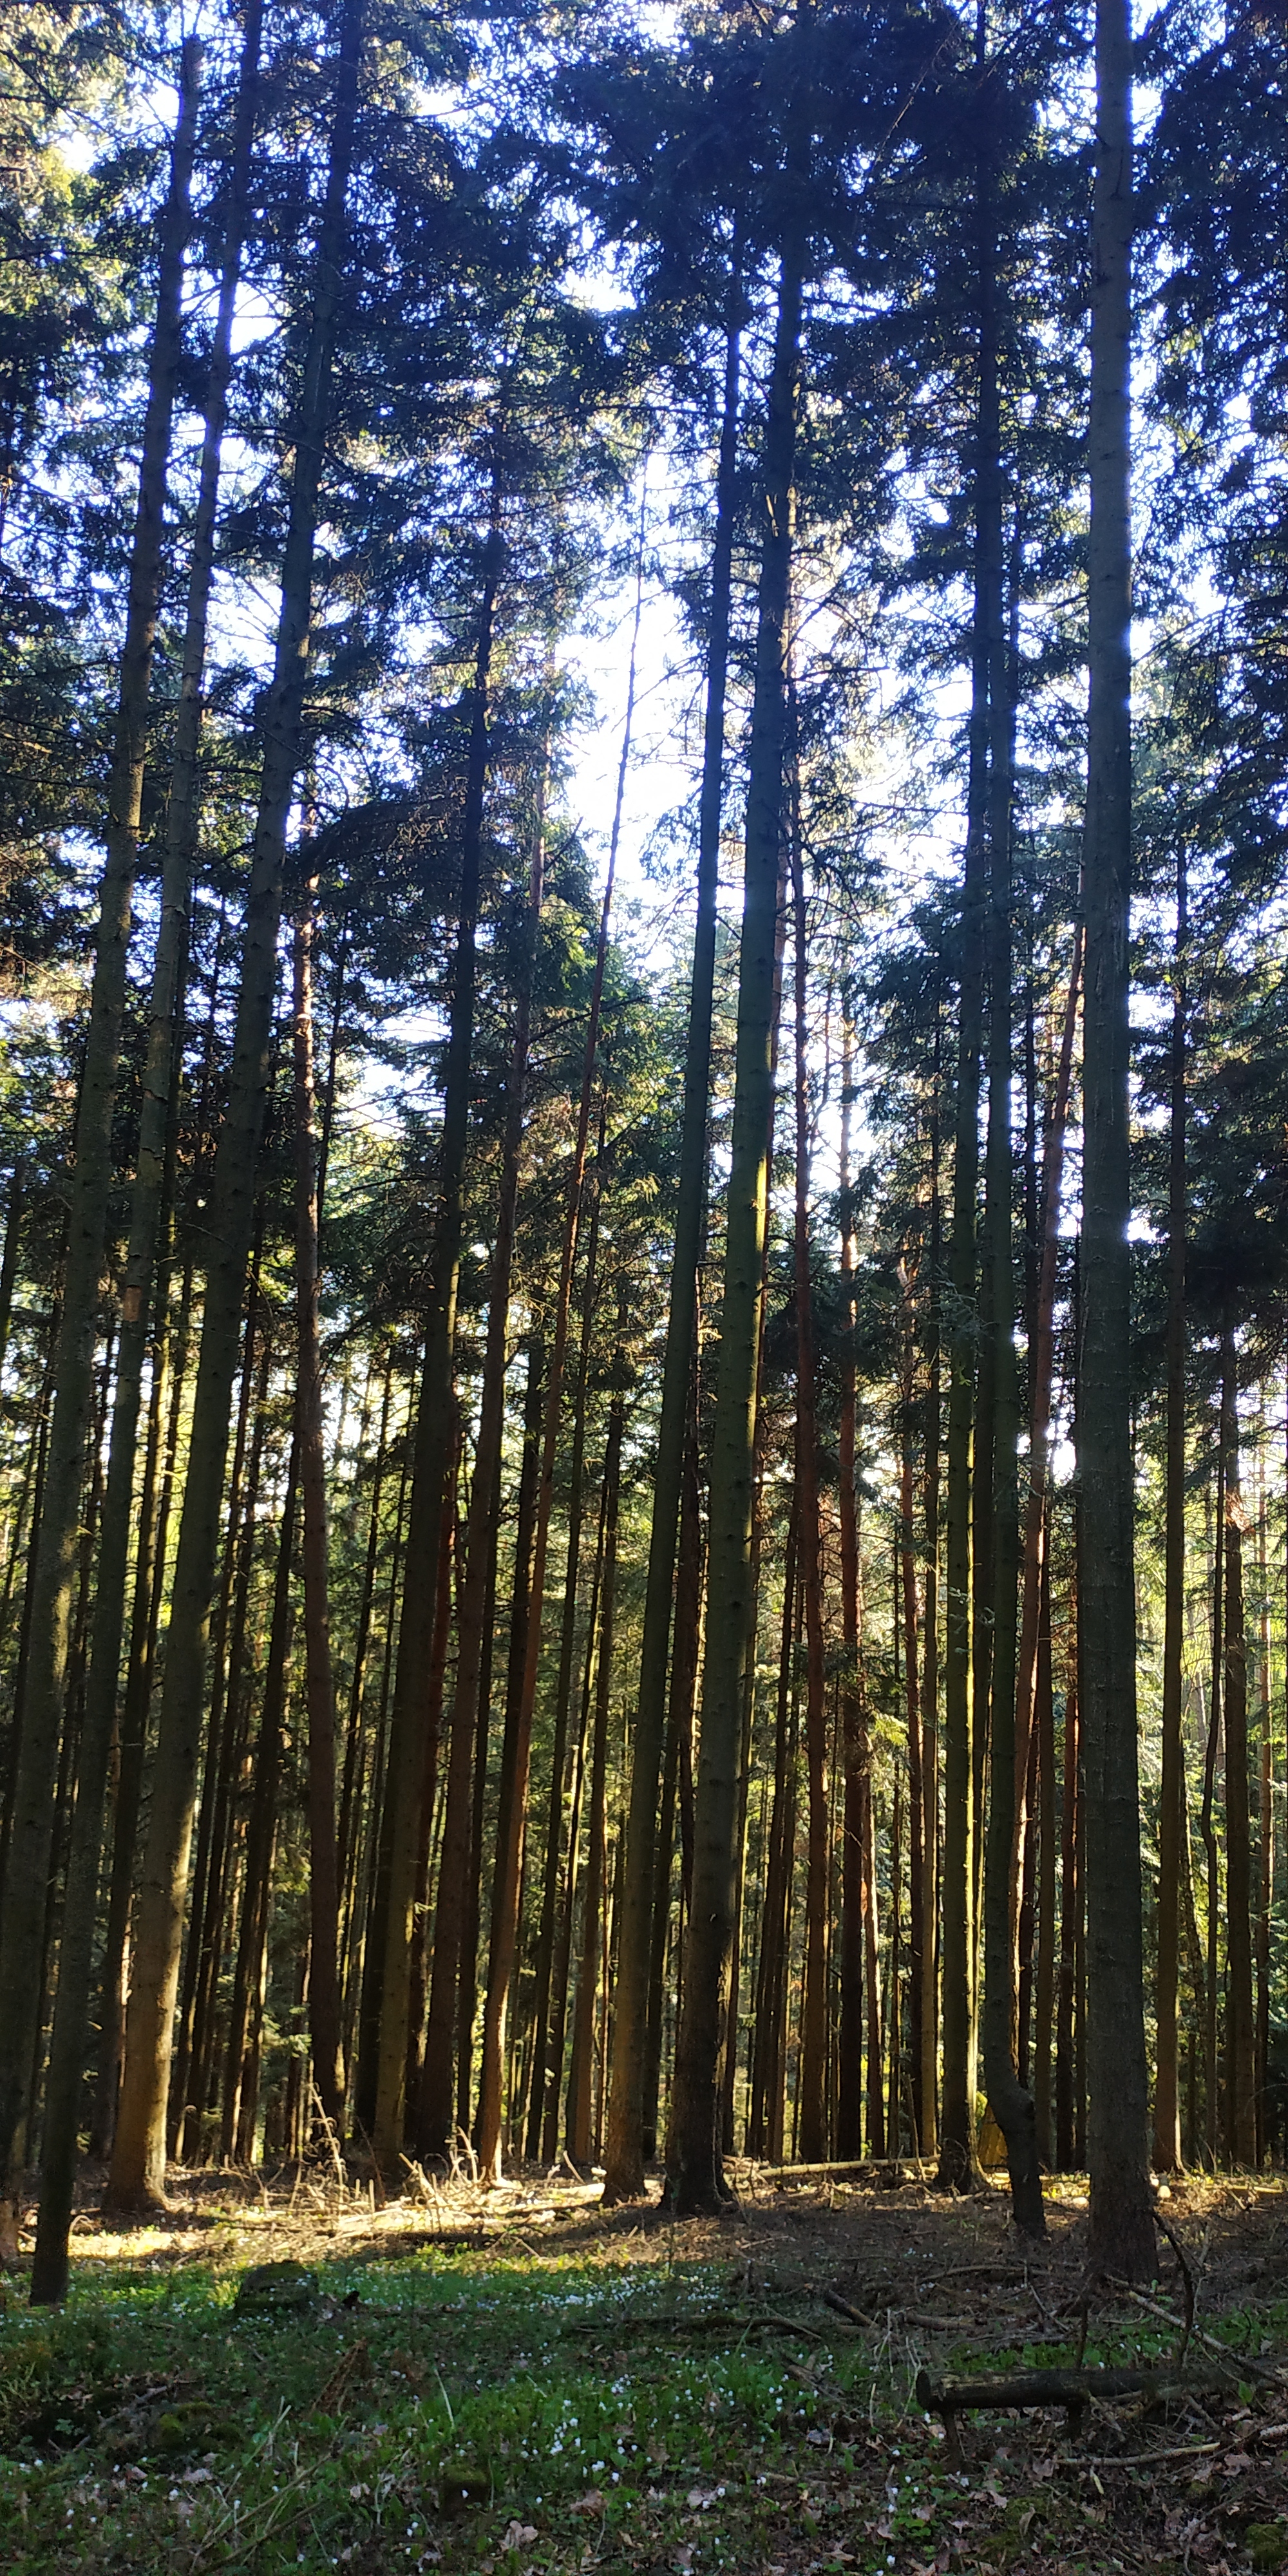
column 511, row 2383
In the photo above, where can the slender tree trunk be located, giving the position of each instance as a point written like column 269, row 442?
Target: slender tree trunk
column 624, row 2167
column 1266, row 1841
column 813, row 2065
column 907, row 1608
column 564, row 1677
column 777, row 1869
column 505, row 1899
column 562, row 1966
column 1041, row 1374
column 856, row 1751
column 260, row 1832
column 14, row 1214
column 436, row 1410
column 1121, row 2226
column 928, row 2016
column 966, row 1407
column 695, row 2174
column 1044, row 1980
column 351, row 1789
column 324, row 1884
column 58, row 1544
column 580, row 2070
column 435, row 2116
column 1240, row 2096
column 201, row 1960
column 1010, row 2102
column 1167, row 2106
column 1070, row 1907
column 137, row 2178
column 1207, row 1825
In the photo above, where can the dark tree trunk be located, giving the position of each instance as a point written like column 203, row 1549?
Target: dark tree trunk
column 58, row 1540
column 1167, row 2105
column 695, row 2172
column 436, row 1412
column 1121, row 2226
column 137, row 2178
column 627, row 2105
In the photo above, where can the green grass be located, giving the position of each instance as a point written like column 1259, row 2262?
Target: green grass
column 149, row 2425
column 479, row 2411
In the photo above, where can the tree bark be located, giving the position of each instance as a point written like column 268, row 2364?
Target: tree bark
column 1167, row 2102
column 813, row 2060
column 319, row 1680
column 624, row 2159
column 505, row 1899
column 1121, row 2228
column 137, row 2178
column 435, row 1414
column 695, row 2172
column 57, row 1554
column 437, row 2106
column 580, row 2069
column 1240, row 2095
column 564, row 1679
column 1009, row 2100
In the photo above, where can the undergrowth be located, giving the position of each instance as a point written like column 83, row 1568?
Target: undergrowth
column 537, row 2410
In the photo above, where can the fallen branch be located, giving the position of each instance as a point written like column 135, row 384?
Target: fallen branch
column 1141, row 2459
column 843, row 2308
column 1072, row 2389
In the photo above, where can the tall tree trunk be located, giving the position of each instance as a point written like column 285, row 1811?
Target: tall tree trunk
column 624, row 2163
column 1207, row 1824
column 1042, row 1367
column 58, row 1544
column 813, row 2062
column 1010, row 2102
column 1167, row 2103
column 856, row 1891
column 963, row 1605
column 505, row 1898
column 764, row 2081
column 435, row 1414
column 260, row 1833
column 324, row 1884
column 580, row 2070
column 1044, row 1978
column 1070, row 1910
column 564, row 1676
column 1121, row 2225
column 200, row 1967
column 907, row 1609
column 928, row 2017
column 695, row 2173
column 1240, row 2096
column 436, row 2108
column 137, row 2178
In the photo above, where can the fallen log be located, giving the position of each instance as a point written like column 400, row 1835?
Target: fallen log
column 1072, row 2389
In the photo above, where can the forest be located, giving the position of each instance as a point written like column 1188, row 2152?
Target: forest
column 643, row 1102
